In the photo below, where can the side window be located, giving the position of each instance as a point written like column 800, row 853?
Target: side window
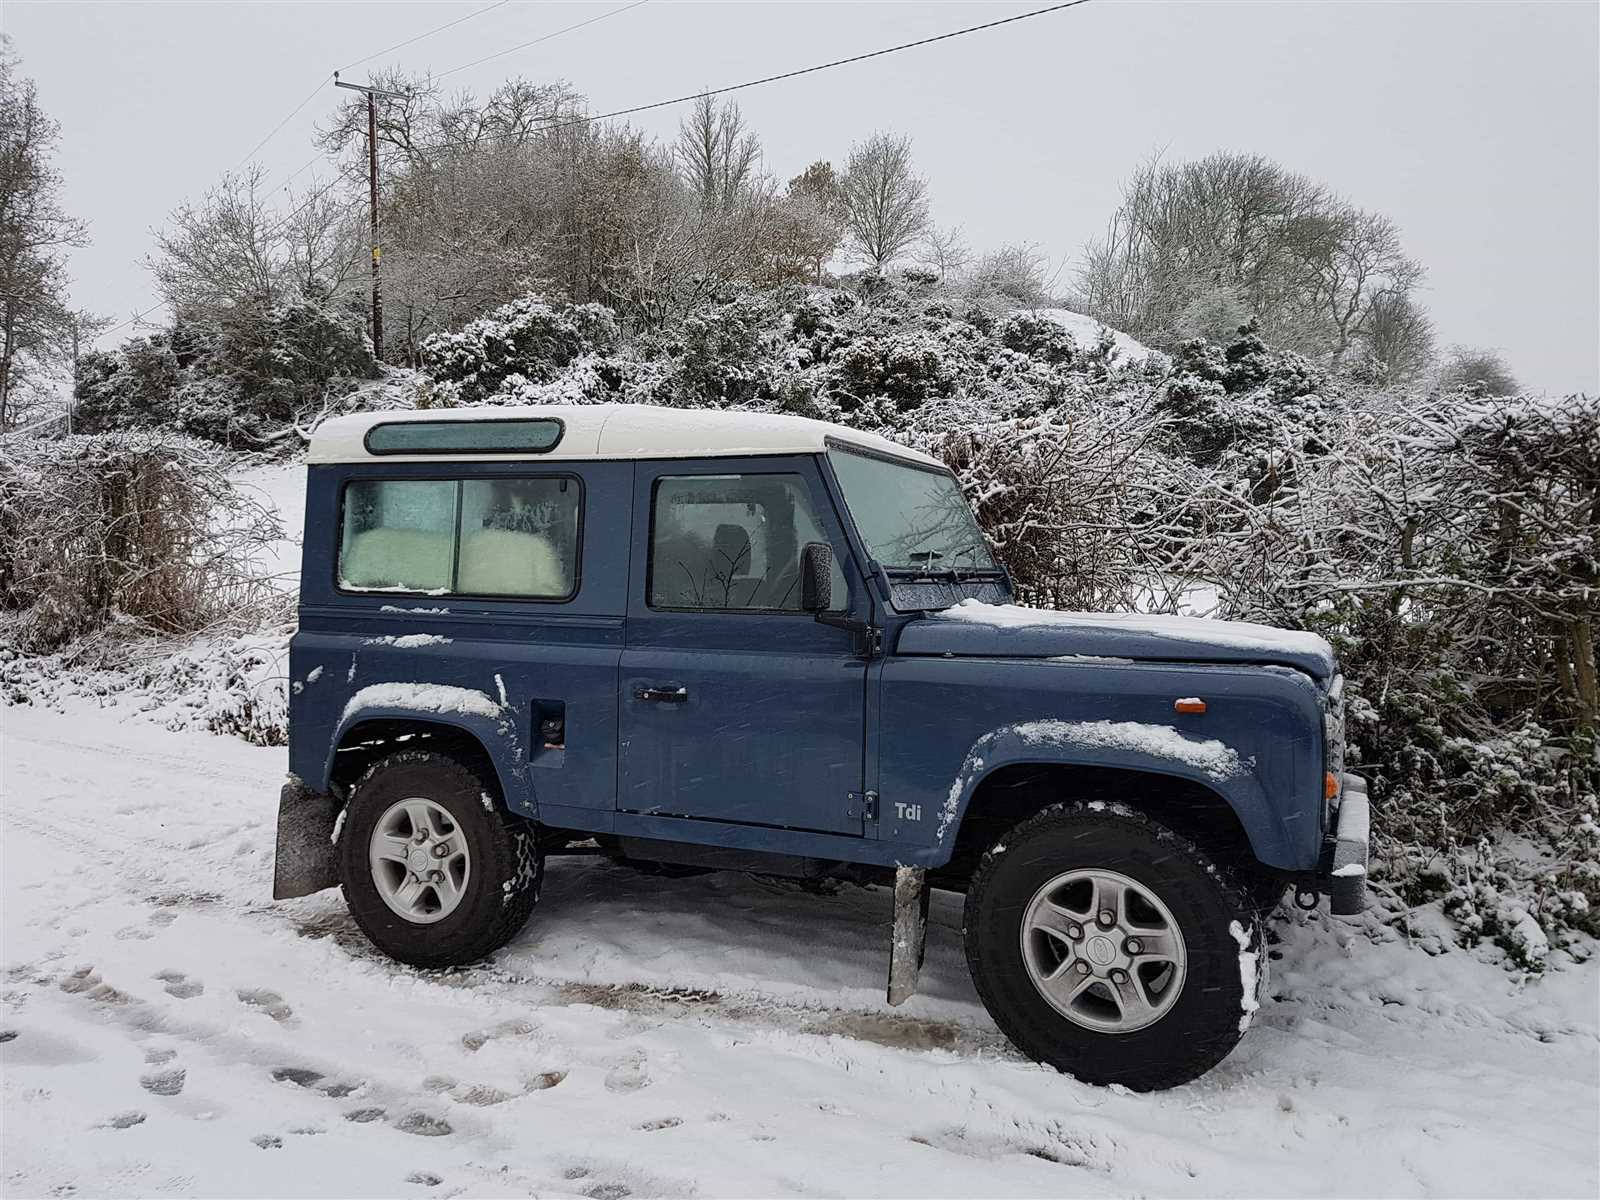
column 732, row 542
column 477, row 537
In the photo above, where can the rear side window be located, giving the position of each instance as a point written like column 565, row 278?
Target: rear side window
column 473, row 537
column 732, row 543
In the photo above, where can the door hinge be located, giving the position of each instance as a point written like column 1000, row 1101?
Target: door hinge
column 863, row 805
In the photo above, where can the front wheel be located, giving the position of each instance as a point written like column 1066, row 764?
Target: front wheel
column 1110, row 947
column 435, row 872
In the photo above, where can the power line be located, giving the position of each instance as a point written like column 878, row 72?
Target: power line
column 321, row 83
column 412, row 41
column 739, row 87
column 523, row 46
column 310, row 96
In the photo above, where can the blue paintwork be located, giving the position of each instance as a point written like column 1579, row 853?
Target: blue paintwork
column 784, row 719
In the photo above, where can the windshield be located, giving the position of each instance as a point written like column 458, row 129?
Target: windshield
column 911, row 518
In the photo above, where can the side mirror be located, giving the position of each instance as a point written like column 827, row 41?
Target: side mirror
column 816, row 577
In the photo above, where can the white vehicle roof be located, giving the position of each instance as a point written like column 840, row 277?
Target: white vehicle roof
column 615, row 431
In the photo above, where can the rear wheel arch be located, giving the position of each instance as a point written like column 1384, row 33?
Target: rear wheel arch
column 369, row 740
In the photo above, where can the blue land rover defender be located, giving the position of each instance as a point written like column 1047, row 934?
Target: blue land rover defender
column 692, row 639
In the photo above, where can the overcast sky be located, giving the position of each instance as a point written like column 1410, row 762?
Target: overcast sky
column 1473, row 125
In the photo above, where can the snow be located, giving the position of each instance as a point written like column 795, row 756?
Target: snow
column 407, row 641
column 1241, row 635
column 1249, row 960
column 281, row 488
column 1086, row 333
column 422, row 697
column 177, row 1034
column 1160, row 741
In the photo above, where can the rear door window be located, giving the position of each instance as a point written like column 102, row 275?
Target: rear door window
column 474, row 537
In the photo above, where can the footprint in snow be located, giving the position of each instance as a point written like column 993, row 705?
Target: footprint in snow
column 125, row 1120
column 660, row 1123
column 268, row 1141
column 629, row 1075
column 543, row 1081
column 299, row 1076
column 479, row 1038
column 425, row 1178
column 307, row 1078
column 480, row 1095
column 164, row 1083
column 8, row 1035
column 178, row 984
column 85, row 981
column 423, row 1125
column 364, row 1116
column 132, row 933
column 267, row 1001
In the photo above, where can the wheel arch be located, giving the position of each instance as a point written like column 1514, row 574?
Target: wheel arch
column 1229, row 818
column 372, row 735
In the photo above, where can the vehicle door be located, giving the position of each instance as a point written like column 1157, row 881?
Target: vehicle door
column 736, row 705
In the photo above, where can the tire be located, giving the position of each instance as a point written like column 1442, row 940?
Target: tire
column 1264, row 891
column 1217, row 965
column 491, row 855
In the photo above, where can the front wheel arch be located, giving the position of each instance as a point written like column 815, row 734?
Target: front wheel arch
column 1012, row 792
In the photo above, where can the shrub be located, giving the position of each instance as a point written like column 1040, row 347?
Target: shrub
column 141, row 527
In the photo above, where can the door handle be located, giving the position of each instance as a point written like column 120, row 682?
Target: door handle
column 664, row 695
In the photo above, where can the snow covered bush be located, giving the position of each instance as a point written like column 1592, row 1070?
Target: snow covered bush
column 142, row 527
column 240, row 380
column 531, row 340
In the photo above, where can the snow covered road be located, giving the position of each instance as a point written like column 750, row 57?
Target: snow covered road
column 169, row 1031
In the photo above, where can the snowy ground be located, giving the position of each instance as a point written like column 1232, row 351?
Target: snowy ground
column 170, row 1031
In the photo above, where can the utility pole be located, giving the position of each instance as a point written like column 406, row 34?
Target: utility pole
column 372, row 178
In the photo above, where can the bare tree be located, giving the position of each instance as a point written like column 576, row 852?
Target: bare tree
column 1478, row 372
column 944, row 250
column 885, row 203
column 1399, row 334
column 717, row 155
column 1238, row 233
column 35, row 232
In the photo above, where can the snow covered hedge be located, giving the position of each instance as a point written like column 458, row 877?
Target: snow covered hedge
column 139, row 528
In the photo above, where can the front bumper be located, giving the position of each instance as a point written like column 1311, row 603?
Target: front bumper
column 1352, row 844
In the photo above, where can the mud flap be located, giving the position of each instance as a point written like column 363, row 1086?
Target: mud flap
column 910, row 932
column 307, row 860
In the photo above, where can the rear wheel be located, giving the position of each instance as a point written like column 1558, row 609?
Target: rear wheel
column 435, row 871
column 1110, row 947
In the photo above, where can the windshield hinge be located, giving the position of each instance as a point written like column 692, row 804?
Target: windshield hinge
column 863, row 805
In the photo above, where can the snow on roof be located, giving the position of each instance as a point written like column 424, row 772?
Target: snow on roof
column 616, row 431
column 1086, row 332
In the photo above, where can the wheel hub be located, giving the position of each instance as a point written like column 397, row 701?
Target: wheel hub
column 419, row 860
column 1103, row 950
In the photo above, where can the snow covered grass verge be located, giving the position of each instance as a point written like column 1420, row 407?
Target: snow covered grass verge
column 165, row 1030
column 227, row 684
